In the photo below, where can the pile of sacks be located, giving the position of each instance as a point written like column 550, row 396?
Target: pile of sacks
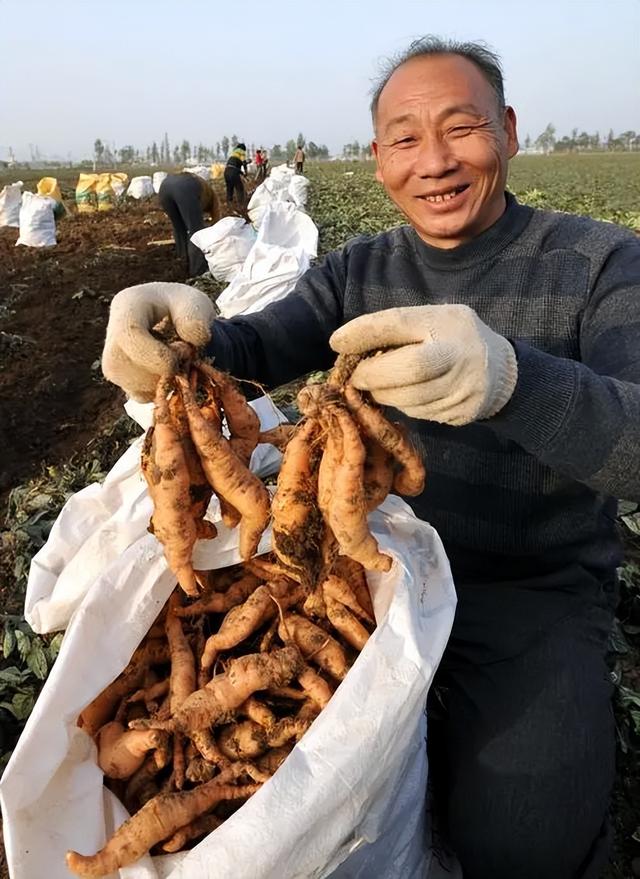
column 34, row 213
column 264, row 259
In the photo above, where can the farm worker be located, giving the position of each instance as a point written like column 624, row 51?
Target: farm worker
column 260, row 166
column 514, row 363
column 185, row 198
column 299, row 160
column 235, row 170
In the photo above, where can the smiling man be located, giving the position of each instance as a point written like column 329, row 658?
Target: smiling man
column 514, row 360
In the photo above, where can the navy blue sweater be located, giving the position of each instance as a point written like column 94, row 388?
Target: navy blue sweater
column 528, row 495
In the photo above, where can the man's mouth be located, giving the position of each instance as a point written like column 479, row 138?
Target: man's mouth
column 445, row 194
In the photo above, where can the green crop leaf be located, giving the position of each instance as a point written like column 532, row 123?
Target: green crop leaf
column 9, row 641
column 22, row 705
column 54, row 647
column 37, row 659
column 24, row 644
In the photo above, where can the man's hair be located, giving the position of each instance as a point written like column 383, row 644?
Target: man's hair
column 478, row 53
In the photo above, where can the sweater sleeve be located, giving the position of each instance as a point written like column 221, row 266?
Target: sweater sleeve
column 288, row 338
column 583, row 418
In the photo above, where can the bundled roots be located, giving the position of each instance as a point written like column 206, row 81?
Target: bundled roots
column 339, row 465
column 185, row 458
column 184, row 752
column 222, row 688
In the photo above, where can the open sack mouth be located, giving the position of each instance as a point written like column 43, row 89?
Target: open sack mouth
column 446, row 195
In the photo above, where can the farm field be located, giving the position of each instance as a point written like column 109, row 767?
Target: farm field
column 62, row 425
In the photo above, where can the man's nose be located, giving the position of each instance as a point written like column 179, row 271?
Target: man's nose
column 434, row 157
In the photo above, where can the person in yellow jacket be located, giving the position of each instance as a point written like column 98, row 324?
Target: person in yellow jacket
column 235, row 170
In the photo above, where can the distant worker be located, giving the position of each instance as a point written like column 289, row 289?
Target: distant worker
column 235, row 170
column 185, row 198
column 299, row 160
column 259, row 160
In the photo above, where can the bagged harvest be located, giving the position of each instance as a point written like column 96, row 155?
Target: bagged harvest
column 158, row 177
column 37, row 221
column 287, row 242
column 10, row 199
column 349, row 801
column 140, row 187
column 86, row 198
column 225, row 245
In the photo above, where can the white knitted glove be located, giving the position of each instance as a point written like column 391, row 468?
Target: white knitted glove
column 447, row 366
column 132, row 357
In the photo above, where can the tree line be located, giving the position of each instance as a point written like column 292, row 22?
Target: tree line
column 578, row 142
column 165, row 153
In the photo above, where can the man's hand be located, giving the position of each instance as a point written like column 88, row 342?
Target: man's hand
column 132, row 357
column 447, row 366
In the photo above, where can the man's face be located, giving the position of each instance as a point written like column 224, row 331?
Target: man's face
column 442, row 148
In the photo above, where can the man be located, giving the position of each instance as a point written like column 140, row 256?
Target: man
column 235, row 170
column 513, row 361
column 185, row 198
column 299, row 159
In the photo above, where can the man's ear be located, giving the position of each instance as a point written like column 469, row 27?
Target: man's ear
column 374, row 149
column 510, row 126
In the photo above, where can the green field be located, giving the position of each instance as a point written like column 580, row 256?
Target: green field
column 347, row 201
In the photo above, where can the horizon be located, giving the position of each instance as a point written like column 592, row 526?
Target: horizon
column 159, row 67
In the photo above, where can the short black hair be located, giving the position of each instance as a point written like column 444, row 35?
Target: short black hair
column 477, row 52
column 241, row 146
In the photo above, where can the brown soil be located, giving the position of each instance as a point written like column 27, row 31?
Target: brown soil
column 54, row 305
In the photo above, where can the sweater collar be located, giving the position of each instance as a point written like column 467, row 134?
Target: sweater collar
column 488, row 244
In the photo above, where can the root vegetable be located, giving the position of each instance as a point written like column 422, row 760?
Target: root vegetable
column 98, row 712
column 244, row 619
column 225, row 693
column 315, row 687
column 183, row 669
column 278, row 436
column 354, row 575
column 179, row 761
column 274, row 758
column 221, row 602
column 157, row 820
column 173, row 522
column 200, row 770
column 202, row 826
column 346, row 624
column 297, row 521
column 257, row 711
column 243, row 741
column 227, row 475
column 242, row 420
column 314, row 643
column 199, row 489
column 341, row 590
column 346, row 512
column 378, row 475
column 122, row 752
column 206, row 744
column 239, row 623
column 410, row 479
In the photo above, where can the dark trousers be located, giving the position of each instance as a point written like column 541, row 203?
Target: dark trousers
column 299, row 167
column 234, row 185
column 521, row 734
column 180, row 200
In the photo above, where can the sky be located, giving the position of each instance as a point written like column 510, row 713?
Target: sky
column 126, row 72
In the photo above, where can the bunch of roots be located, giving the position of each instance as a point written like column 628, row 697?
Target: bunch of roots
column 214, row 700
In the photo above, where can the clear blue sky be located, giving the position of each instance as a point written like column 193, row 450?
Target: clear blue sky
column 127, row 71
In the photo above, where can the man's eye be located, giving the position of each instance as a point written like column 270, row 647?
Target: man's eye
column 461, row 130
column 403, row 141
